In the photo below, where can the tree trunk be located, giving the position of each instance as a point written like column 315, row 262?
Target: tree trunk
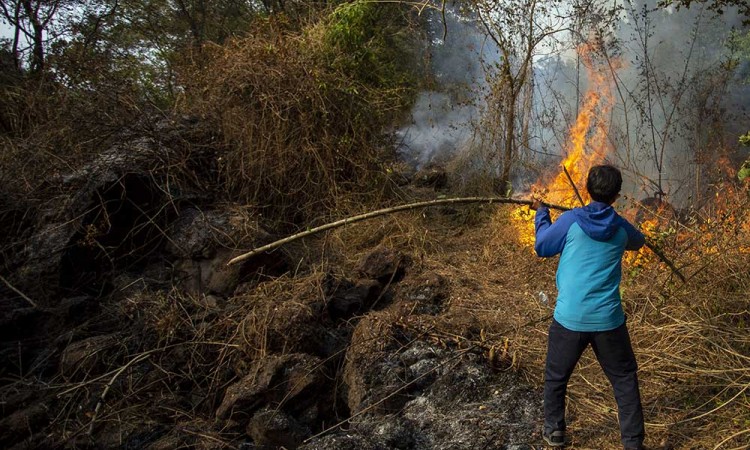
column 37, row 55
column 17, row 37
column 509, row 144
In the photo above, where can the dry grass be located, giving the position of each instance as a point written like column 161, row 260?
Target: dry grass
column 47, row 129
column 297, row 136
column 691, row 340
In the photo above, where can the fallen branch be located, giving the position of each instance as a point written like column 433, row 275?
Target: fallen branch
column 372, row 214
column 444, row 201
column 109, row 385
column 21, row 294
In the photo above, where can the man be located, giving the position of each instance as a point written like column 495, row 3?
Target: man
column 591, row 241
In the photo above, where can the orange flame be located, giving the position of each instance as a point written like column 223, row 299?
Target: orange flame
column 719, row 229
column 588, row 147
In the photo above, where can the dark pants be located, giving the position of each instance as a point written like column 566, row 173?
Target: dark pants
column 615, row 354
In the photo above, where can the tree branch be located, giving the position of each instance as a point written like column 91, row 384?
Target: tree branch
column 446, row 201
column 21, row 294
column 380, row 212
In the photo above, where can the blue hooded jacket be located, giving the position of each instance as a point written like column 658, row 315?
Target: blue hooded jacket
column 591, row 241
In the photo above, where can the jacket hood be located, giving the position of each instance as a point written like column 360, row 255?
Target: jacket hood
column 598, row 220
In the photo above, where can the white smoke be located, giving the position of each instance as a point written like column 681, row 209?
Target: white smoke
column 441, row 119
column 686, row 51
column 693, row 106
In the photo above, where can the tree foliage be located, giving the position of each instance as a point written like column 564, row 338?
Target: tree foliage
column 718, row 6
column 371, row 42
column 296, row 94
column 34, row 25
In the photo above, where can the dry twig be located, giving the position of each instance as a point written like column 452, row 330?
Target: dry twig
column 21, row 294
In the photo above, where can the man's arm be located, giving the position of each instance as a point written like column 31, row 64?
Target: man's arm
column 550, row 237
column 636, row 239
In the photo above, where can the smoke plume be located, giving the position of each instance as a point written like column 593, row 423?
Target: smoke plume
column 678, row 101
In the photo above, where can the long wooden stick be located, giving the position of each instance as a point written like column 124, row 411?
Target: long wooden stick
column 445, row 201
column 380, row 212
column 575, row 188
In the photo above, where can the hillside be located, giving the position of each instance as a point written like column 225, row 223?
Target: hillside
column 146, row 144
column 422, row 329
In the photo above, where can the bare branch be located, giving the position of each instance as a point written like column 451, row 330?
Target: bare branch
column 446, row 201
column 372, row 214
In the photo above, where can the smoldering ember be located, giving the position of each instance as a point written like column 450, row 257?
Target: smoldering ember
column 311, row 225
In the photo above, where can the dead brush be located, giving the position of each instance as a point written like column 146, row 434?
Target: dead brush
column 283, row 316
column 405, row 232
column 183, row 351
column 296, row 135
column 49, row 129
column 177, row 360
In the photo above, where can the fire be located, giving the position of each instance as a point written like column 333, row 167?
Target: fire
column 654, row 232
column 727, row 222
column 588, row 146
column 719, row 226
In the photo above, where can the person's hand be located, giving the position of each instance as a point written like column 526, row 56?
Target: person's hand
column 537, row 199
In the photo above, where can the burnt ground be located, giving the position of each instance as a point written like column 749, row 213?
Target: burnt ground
column 316, row 360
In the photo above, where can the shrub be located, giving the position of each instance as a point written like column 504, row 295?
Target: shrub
column 302, row 122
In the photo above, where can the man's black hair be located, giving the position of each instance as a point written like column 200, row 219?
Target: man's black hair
column 604, row 183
